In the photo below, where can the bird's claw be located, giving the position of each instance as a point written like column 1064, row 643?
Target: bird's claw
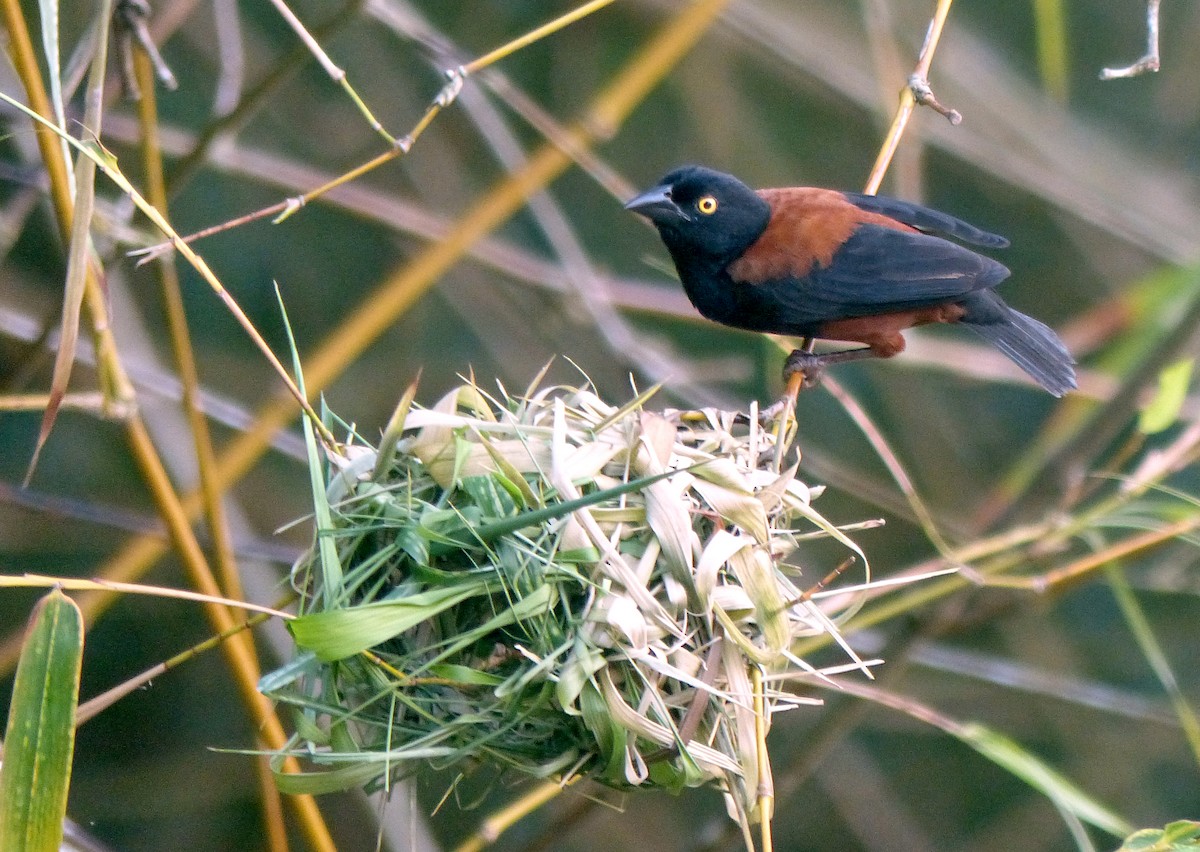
column 808, row 364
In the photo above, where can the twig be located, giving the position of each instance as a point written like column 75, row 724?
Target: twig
column 334, row 72
column 1135, row 544
column 916, row 92
column 91, row 708
column 228, row 122
column 1150, row 61
column 91, row 401
column 534, row 35
column 923, row 95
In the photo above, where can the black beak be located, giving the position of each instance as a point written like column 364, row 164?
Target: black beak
column 657, row 205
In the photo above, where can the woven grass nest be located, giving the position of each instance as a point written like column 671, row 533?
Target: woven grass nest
column 559, row 586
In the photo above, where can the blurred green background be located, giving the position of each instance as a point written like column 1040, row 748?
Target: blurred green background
column 1094, row 182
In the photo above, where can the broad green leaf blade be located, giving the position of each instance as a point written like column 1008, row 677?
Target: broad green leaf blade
column 337, row 633
column 40, row 737
column 1036, row 773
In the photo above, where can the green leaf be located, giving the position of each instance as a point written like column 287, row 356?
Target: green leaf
column 464, row 675
column 1163, row 409
column 338, row 633
column 327, row 781
column 1177, row 836
column 332, row 575
column 40, row 737
column 610, row 736
column 575, row 675
column 392, row 433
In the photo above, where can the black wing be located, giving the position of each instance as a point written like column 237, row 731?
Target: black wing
column 925, row 219
column 876, row 271
column 880, row 269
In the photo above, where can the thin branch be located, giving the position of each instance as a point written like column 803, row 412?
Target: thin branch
column 1150, row 61
column 916, row 92
column 502, row 820
column 181, row 342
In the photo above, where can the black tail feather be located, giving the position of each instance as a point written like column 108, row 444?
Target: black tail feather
column 1033, row 346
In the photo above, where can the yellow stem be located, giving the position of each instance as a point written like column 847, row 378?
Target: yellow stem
column 908, row 99
column 534, row 35
column 83, row 401
column 505, row 818
column 181, row 344
column 766, row 792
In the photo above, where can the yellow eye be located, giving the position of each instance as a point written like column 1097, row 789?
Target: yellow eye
column 707, row 205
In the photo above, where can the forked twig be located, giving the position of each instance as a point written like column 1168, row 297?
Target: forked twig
column 916, row 92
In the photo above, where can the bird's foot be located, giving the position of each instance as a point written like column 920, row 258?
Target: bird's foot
column 811, row 365
column 807, row 364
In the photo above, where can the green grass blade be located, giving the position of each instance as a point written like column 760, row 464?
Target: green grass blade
column 1139, row 625
column 392, row 432
column 493, row 531
column 40, row 737
column 331, row 565
column 1036, row 773
column 326, row 781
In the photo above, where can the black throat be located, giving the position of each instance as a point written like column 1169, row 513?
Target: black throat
column 703, row 269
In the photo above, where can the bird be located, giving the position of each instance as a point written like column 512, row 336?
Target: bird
column 839, row 266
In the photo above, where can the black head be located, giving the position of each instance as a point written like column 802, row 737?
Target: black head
column 704, row 212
